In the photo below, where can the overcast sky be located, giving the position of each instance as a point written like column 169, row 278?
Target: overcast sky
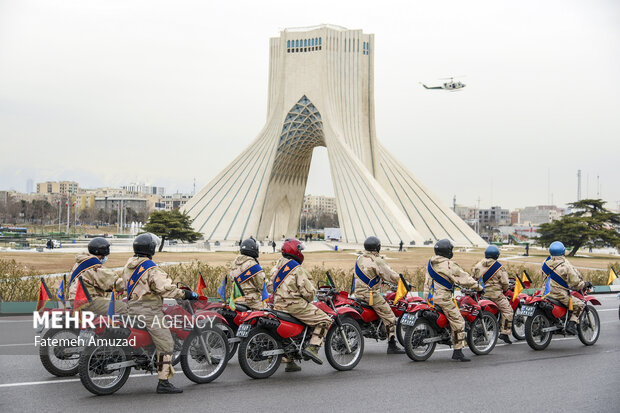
column 111, row 92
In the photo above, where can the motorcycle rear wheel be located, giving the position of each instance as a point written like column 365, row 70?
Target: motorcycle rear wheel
column 93, row 373
column 52, row 358
column 535, row 338
column 195, row 364
column 413, row 347
column 250, row 359
column 589, row 334
column 518, row 326
column 476, row 340
column 335, row 349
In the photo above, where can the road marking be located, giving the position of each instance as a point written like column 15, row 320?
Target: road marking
column 15, row 321
column 36, row 383
column 518, row 342
column 606, row 309
column 18, row 344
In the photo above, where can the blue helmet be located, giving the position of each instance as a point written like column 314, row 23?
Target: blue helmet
column 491, row 252
column 556, row 249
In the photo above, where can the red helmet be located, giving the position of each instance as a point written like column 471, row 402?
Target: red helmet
column 292, row 248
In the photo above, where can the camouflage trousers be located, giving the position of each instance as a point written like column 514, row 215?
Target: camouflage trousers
column 457, row 323
column 100, row 305
column 252, row 300
column 150, row 311
column 382, row 308
column 505, row 310
column 564, row 298
column 311, row 316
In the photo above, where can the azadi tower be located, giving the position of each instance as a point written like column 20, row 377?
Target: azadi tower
column 321, row 93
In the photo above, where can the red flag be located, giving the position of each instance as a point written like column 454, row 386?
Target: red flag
column 201, row 285
column 44, row 295
column 82, row 296
column 527, row 283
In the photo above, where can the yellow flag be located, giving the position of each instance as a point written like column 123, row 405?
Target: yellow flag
column 401, row 291
column 526, row 280
column 612, row 276
column 518, row 289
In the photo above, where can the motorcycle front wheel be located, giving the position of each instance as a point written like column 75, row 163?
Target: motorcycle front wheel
column 251, row 358
column 336, row 349
column 536, row 338
column 205, row 355
column 589, row 326
column 95, row 374
column 479, row 342
column 415, row 347
column 54, row 358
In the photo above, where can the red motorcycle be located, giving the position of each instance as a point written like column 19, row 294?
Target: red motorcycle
column 518, row 320
column 105, row 366
column 400, row 308
column 426, row 326
column 269, row 335
column 547, row 316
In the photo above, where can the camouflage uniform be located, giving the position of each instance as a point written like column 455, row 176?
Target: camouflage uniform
column 494, row 290
column 571, row 275
column 295, row 295
column 97, row 280
column 443, row 297
column 146, row 300
column 252, row 288
column 371, row 264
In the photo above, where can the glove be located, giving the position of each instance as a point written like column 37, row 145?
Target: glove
column 588, row 285
column 190, row 295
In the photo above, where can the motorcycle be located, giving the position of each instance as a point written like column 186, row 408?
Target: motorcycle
column 518, row 320
column 547, row 316
column 426, row 326
column 400, row 308
column 269, row 335
column 104, row 368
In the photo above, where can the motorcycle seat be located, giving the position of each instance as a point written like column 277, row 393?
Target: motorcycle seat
column 556, row 302
column 363, row 303
column 287, row 317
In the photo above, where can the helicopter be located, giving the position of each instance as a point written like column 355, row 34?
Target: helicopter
column 451, row 85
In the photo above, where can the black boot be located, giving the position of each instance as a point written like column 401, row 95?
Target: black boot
column 571, row 328
column 459, row 356
column 165, row 387
column 393, row 347
column 505, row 338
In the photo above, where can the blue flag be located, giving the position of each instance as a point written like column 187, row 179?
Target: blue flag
column 222, row 290
column 111, row 309
column 61, row 291
column 265, row 295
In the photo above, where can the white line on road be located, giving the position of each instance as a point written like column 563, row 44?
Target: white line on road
column 15, row 321
column 606, row 309
column 18, row 344
column 36, row 383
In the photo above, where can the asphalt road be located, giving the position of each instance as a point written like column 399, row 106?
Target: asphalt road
column 565, row 377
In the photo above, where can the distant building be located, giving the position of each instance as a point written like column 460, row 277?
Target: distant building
column 29, row 186
column 494, row 216
column 141, row 188
column 465, row 213
column 541, row 214
column 318, row 204
column 57, row 188
column 174, row 201
column 514, row 216
column 112, row 203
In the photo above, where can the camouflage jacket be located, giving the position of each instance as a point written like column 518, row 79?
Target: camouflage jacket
column 498, row 283
column 97, row 279
column 153, row 284
column 373, row 265
column 296, row 291
column 450, row 271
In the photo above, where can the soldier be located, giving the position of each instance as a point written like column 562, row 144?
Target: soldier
column 561, row 278
column 294, row 292
column 97, row 279
column 371, row 269
column 493, row 277
column 248, row 274
column 147, row 284
column 442, row 274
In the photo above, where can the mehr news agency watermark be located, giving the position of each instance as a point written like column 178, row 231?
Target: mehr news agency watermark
column 88, row 322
